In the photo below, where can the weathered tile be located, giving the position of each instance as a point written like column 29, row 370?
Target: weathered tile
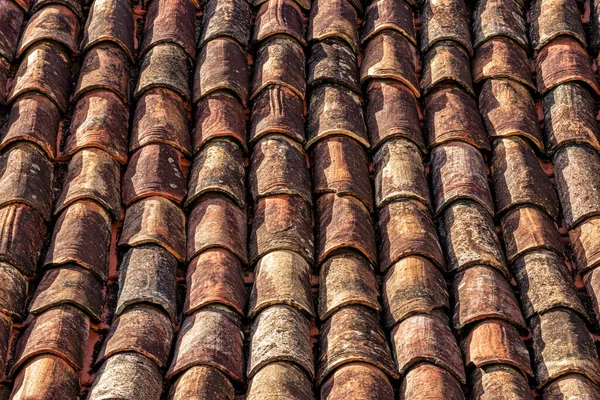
column 26, row 176
column 412, row 286
column 219, row 115
column 427, row 338
column 451, row 114
column 11, row 20
column 226, row 18
column 4, row 75
column 571, row 386
column 333, row 19
column 347, row 279
column 277, row 110
column 332, row 61
column 381, row 15
column 553, row 18
column 72, row 285
column 45, row 68
column 305, row 4
column 481, row 292
column 468, row 234
column 577, row 172
column 155, row 220
column 335, row 110
column 160, row 117
column 73, row 5
column 278, row 166
column 344, row 223
column 13, row 292
column 280, row 380
column 100, row 119
column 495, row 341
column 22, row 232
column 211, row 337
column 218, row 167
column 281, row 278
column 564, row 61
column 112, row 21
column 54, row 23
column 526, row 229
column 562, row 344
column 445, row 20
column 446, row 63
column 170, row 21
column 127, row 376
column 384, row 99
column 280, row 333
column 458, row 172
column 545, row 283
column 427, row 381
column 140, row 329
column 222, row 65
column 46, row 377
column 353, row 334
column 279, row 17
column 406, row 228
column 5, row 340
column 215, row 276
column 82, row 236
column 359, row 381
column 154, row 170
column 585, row 244
column 201, row 382
column 499, row 382
column 282, row 222
column 340, row 165
column 93, row 174
column 62, row 331
column 217, row 222
column 507, row 109
column 389, row 55
column 501, row 57
column 492, row 18
column 164, row 66
column 147, row 275
column 570, row 117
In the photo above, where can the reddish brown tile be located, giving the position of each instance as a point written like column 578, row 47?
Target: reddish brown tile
column 13, row 293
column 11, row 20
column 201, row 382
column 112, row 21
column 447, row 20
column 501, row 57
column 219, row 115
column 573, row 386
column 427, row 381
column 5, row 340
column 277, row 110
column 553, row 18
column 499, row 382
column 585, row 244
column 357, row 380
column 333, row 19
column 280, row 380
column 446, row 63
column 305, row 4
column 164, row 66
column 46, row 377
column 74, row 5
column 381, row 15
column 279, row 17
column 492, row 18
column 226, row 18
column 332, row 61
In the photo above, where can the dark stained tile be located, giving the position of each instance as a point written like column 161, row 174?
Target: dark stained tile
column 335, row 110
column 45, row 68
column 499, row 382
column 164, row 66
column 389, row 55
column 571, row 386
column 226, row 18
column 13, row 292
column 147, row 275
column 412, row 286
column 305, row 4
column 446, row 63
column 46, row 377
column 202, row 382
column 104, row 67
column 445, row 20
column 277, row 110
column 170, row 21
column 160, row 117
column 140, row 329
column 280, row 380
column 101, row 120
column 158, row 221
column 552, row 18
column 428, row 381
column 222, row 65
column 594, row 32
column 5, row 340
column 112, row 21
column 215, row 276
column 384, row 121
column 451, row 114
column 279, row 17
column 219, row 115
column 492, row 18
column 82, row 236
column 333, row 61
column 353, row 334
column 94, row 175
column 73, row 5
column 585, row 244
column 501, row 57
column 154, row 170
column 278, row 166
column 4, row 75
column 217, row 222
column 210, row 337
column 507, row 109
column 406, row 228
column 333, row 19
column 347, row 279
column 72, row 285
column 357, row 380
column 11, row 19
column 395, row 15
column 281, row 278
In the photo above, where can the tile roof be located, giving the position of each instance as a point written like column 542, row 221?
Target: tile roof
column 227, row 199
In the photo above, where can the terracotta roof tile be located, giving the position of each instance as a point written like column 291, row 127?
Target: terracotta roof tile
column 333, row 61
column 280, row 379
column 14, row 291
column 5, row 333
column 573, row 385
column 219, row 115
column 164, row 66
column 553, row 18
column 446, row 63
column 492, row 18
column 333, row 19
column 279, row 17
column 202, row 382
column 74, row 5
column 305, row 4
column 499, row 381
column 502, row 58
column 584, row 244
column 45, row 377
column 277, row 110
column 382, row 14
column 357, row 380
column 226, row 19
column 11, row 19
column 438, row 381
column 4, row 75
column 444, row 20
